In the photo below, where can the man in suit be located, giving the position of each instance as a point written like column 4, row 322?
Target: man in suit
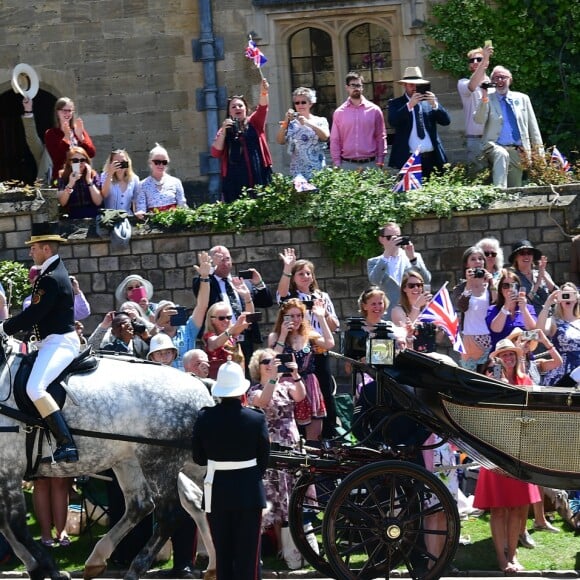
column 415, row 117
column 51, row 318
column 510, row 129
column 222, row 289
column 386, row 271
column 233, row 441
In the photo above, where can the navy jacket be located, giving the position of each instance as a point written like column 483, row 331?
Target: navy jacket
column 401, row 119
column 51, row 309
column 231, row 432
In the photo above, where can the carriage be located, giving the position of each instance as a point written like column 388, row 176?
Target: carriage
column 365, row 510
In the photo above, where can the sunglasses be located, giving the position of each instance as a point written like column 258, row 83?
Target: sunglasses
column 490, row 254
column 78, row 160
column 300, row 102
column 476, row 59
column 412, row 285
column 387, row 237
column 507, row 285
column 222, row 318
column 160, row 161
column 266, row 361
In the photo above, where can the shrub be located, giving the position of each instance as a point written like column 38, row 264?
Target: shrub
column 14, row 278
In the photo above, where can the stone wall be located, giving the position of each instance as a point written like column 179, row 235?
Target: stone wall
column 166, row 258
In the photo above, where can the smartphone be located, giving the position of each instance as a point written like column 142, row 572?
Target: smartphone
column 404, row 241
column 284, row 358
column 308, row 304
column 424, row 88
column 180, row 319
column 76, row 168
column 487, row 43
column 287, row 318
column 497, row 371
column 254, row 317
column 123, row 164
column 245, row 274
column 427, row 288
column 530, row 335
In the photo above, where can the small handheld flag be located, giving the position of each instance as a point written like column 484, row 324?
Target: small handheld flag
column 411, row 174
column 559, row 160
column 255, row 54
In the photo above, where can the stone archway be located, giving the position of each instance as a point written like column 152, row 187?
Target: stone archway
column 16, row 160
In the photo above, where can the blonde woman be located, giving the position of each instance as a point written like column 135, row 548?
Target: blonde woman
column 119, row 185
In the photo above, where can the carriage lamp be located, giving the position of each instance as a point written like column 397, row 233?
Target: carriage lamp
column 354, row 339
column 381, row 345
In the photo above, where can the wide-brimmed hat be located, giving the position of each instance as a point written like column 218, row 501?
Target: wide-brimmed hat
column 231, row 381
column 516, row 333
column 524, row 245
column 506, row 345
column 414, row 76
column 120, row 293
column 25, row 70
column 45, row 232
column 160, row 341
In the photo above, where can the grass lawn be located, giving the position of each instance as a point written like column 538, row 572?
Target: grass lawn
column 553, row 552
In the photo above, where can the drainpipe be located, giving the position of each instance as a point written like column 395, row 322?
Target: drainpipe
column 208, row 49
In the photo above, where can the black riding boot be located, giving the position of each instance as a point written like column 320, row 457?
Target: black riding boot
column 66, row 450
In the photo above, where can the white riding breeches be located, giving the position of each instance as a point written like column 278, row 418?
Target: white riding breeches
column 55, row 352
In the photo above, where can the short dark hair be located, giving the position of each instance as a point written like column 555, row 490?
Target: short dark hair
column 354, row 76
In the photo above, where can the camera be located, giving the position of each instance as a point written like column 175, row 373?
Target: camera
column 245, row 274
column 424, row 88
column 123, row 164
column 478, row 273
column 295, row 115
column 530, row 335
column 487, row 85
column 404, row 241
column 138, row 327
column 237, row 128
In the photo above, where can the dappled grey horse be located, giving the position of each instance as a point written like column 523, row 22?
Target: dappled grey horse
column 146, row 413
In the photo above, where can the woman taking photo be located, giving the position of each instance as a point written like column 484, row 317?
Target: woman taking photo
column 305, row 134
column 511, row 309
column 242, row 147
column 472, row 298
column 160, row 191
column 68, row 132
column 276, row 394
column 120, row 186
column 79, row 186
column 293, row 334
column 563, row 327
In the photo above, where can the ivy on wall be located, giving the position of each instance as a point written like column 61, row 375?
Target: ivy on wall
column 538, row 40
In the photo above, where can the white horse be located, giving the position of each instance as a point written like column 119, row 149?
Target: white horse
column 140, row 403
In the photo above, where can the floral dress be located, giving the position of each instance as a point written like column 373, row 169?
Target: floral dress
column 306, row 150
column 567, row 343
column 283, row 430
column 312, row 406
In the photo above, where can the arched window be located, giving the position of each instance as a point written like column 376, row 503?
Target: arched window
column 312, row 65
column 369, row 52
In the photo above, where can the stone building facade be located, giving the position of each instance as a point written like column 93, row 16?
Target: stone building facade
column 145, row 71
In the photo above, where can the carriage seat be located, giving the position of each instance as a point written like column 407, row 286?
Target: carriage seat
column 85, row 362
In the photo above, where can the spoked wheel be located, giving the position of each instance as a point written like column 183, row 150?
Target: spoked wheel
column 306, row 508
column 389, row 514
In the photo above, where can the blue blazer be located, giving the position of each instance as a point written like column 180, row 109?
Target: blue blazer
column 401, row 119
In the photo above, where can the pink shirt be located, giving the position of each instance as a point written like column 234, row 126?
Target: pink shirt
column 358, row 132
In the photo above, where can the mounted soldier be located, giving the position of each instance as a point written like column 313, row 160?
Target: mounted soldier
column 50, row 317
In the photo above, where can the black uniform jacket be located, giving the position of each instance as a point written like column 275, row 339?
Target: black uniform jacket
column 231, row 432
column 51, row 309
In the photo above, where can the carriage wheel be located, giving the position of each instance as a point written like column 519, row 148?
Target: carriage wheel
column 382, row 516
column 307, row 504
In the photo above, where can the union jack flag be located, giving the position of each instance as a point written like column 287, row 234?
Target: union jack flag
column 410, row 174
column 255, row 54
column 440, row 311
column 558, row 159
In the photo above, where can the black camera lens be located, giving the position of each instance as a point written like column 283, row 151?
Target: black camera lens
column 478, row 273
column 138, row 327
column 487, row 85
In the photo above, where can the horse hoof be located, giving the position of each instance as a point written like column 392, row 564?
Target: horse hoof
column 210, row 575
column 93, row 571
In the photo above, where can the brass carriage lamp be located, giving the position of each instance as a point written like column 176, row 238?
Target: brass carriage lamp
column 381, row 345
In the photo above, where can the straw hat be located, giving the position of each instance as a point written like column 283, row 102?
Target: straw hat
column 25, row 70
column 506, row 345
column 516, row 333
column 160, row 341
column 120, row 293
column 414, row 76
column 231, row 381
column 45, row 232
column 524, row 245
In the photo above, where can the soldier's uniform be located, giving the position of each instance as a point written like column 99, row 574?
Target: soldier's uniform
column 50, row 317
column 233, row 442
